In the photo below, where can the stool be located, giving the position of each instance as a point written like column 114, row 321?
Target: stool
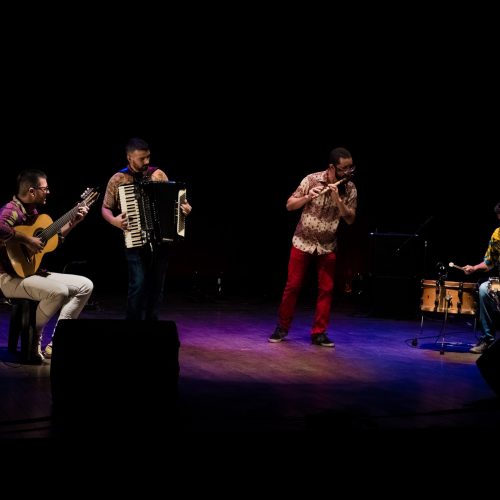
column 22, row 324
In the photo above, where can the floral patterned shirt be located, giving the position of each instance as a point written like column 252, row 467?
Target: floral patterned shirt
column 14, row 213
column 126, row 176
column 316, row 231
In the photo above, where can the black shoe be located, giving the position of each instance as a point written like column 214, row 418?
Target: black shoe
column 481, row 346
column 278, row 335
column 322, row 340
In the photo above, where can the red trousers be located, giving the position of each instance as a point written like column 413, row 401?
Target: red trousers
column 297, row 269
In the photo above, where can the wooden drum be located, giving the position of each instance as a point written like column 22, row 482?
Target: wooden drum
column 454, row 297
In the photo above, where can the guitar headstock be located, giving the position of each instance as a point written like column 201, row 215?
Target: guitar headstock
column 90, row 196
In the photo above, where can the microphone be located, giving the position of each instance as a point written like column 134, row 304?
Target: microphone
column 440, row 267
column 441, row 271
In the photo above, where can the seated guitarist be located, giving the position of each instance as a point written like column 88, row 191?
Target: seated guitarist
column 54, row 291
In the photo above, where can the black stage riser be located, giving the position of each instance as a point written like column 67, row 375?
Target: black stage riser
column 114, row 375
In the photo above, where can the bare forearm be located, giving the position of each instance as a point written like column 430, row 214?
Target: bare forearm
column 478, row 267
column 67, row 228
column 109, row 217
column 295, row 203
column 348, row 214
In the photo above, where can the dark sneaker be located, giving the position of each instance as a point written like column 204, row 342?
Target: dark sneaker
column 278, row 335
column 322, row 340
column 481, row 346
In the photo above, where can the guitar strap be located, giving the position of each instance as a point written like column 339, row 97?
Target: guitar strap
column 139, row 176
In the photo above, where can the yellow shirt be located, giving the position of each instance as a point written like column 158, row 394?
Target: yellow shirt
column 492, row 256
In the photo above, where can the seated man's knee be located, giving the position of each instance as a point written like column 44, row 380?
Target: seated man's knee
column 483, row 289
column 87, row 286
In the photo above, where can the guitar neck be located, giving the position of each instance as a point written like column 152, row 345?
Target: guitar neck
column 58, row 224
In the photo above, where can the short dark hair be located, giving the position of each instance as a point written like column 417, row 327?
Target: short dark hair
column 497, row 208
column 28, row 178
column 338, row 153
column 136, row 144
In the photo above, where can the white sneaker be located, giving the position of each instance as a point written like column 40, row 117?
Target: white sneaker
column 47, row 353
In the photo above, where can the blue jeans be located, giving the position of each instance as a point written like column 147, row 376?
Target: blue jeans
column 147, row 268
column 487, row 312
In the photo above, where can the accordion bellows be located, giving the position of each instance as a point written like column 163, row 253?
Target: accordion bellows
column 154, row 212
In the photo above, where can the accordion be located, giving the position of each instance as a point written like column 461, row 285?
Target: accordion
column 153, row 211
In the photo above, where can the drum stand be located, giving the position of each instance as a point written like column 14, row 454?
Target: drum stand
column 440, row 283
column 445, row 320
column 443, row 325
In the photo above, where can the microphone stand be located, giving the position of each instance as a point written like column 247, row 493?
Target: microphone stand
column 440, row 285
column 413, row 236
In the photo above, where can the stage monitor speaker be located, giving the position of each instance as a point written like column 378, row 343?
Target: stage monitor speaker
column 489, row 366
column 114, row 376
column 394, row 296
column 396, row 254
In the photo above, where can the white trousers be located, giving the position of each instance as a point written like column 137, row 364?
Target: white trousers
column 56, row 291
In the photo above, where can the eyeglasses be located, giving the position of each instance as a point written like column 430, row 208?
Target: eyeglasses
column 45, row 189
column 346, row 168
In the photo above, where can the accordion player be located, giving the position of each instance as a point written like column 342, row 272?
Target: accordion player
column 154, row 212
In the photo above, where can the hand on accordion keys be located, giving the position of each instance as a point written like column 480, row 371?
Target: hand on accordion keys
column 186, row 208
column 122, row 221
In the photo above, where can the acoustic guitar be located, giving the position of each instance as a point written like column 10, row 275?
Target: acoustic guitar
column 26, row 263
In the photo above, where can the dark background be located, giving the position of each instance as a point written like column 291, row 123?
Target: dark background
column 241, row 112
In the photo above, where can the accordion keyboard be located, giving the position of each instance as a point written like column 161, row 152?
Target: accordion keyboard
column 134, row 236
